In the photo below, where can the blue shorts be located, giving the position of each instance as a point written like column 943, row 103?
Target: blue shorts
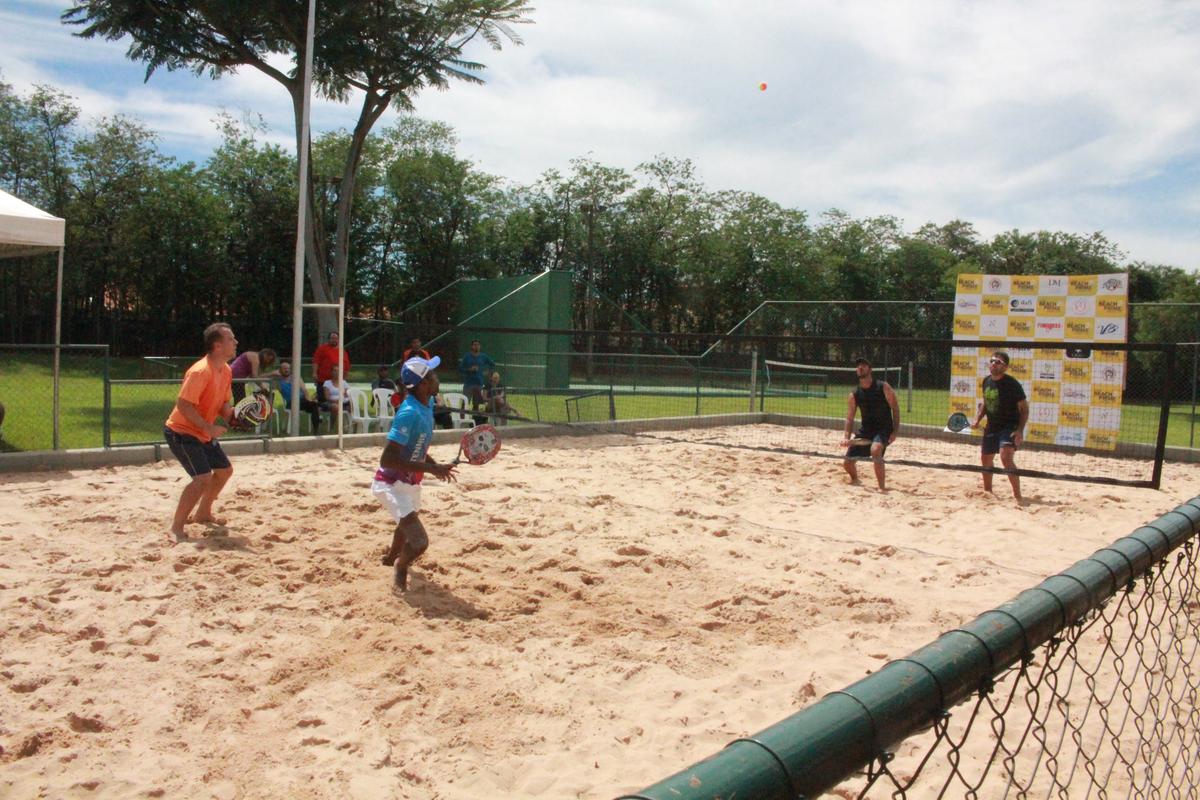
column 197, row 457
column 864, row 450
column 996, row 438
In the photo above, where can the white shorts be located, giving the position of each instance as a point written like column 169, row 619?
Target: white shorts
column 399, row 498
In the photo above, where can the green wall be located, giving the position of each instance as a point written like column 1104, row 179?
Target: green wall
column 526, row 360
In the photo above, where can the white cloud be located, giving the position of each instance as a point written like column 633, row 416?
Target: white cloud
column 1022, row 114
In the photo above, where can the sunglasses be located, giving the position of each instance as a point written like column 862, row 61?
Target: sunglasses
column 995, row 360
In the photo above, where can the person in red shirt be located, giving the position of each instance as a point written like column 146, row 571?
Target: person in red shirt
column 414, row 350
column 191, row 430
column 325, row 359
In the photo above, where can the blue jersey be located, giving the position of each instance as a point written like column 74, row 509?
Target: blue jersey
column 412, row 429
column 483, row 361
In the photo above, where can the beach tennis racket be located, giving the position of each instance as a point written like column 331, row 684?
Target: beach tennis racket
column 958, row 422
column 251, row 411
column 478, row 446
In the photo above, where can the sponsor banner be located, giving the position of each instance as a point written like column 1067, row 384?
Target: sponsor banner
column 1075, row 394
column 964, row 405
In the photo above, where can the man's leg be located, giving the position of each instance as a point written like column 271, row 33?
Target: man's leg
column 987, row 459
column 204, row 512
column 1009, row 460
column 877, row 462
column 187, row 501
column 851, row 469
column 409, row 541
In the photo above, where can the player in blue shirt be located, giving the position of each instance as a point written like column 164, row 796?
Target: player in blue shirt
column 403, row 464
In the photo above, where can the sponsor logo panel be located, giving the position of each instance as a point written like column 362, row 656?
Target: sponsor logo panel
column 992, row 327
column 970, row 283
column 1022, row 305
column 1113, row 284
column 964, row 405
column 1040, row 434
column 1048, row 329
column 1052, row 285
column 1020, row 327
column 1105, row 418
column 1021, row 369
column 1047, row 370
column 1071, row 437
column 962, row 386
column 1110, row 306
column 1073, row 416
column 1044, row 392
column 966, row 325
column 1076, row 372
column 1077, row 393
column 1023, row 284
column 995, row 304
column 1110, row 329
column 1081, row 306
column 1106, row 396
column 1082, row 284
column 996, row 284
column 1051, row 306
column 968, row 304
column 1043, row 413
column 964, row 365
column 1078, row 328
column 1102, row 440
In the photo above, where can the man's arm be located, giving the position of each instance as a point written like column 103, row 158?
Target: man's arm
column 851, row 410
column 192, row 415
column 890, row 394
column 393, row 458
column 1023, row 412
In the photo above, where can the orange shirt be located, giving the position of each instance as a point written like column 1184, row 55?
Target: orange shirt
column 206, row 388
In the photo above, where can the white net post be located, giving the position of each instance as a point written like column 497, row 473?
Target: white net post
column 753, row 377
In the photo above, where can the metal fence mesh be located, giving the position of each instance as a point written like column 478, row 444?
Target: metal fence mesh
column 1106, row 709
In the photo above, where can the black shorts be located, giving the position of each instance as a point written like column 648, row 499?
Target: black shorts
column 197, row 457
column 996, row 438
column 864, row 450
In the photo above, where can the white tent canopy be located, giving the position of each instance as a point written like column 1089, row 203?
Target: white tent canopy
column 26, row 230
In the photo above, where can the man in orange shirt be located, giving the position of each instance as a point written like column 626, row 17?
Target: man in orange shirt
column 191, row 430
column 325, row 358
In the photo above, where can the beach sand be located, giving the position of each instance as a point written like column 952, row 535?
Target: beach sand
column 591, row 616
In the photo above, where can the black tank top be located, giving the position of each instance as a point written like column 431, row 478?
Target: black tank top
column 876, row 413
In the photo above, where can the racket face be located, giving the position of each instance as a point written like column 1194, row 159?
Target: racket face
column 480, row 444
column 249, row 411
column 958, row 422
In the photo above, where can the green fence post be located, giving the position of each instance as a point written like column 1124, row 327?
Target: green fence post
column 107, row 401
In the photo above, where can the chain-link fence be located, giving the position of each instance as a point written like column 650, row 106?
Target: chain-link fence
column 27, row 396
column 1084, row 686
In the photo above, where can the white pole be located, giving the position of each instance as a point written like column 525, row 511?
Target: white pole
column 344, row 389
column 57, row 341
column 301, row 223
column 910, row 385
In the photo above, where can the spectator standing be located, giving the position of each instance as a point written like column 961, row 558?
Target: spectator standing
column 251, row 365
column 307, row 405
column 325, row 358
column 191, row 430
column 475, row 367
column 415, row 350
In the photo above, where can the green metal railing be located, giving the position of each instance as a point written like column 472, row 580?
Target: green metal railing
column 1085, row 685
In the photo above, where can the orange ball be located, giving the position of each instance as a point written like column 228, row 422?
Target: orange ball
column 762, row 87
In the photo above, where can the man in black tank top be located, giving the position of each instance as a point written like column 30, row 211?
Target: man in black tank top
column 880, row 421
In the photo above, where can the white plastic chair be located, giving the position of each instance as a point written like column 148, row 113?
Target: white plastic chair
column 359, row 417
column 457, row 400
column 383, row 407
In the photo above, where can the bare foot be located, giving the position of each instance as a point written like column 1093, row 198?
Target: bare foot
column 388, row 559
column 854, row 482
column 179, row 536
column 209, row 519
column 400, row 579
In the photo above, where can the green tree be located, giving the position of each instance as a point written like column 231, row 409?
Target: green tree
column 386, row 50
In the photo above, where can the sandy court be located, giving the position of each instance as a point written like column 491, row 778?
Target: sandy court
column 590, row 617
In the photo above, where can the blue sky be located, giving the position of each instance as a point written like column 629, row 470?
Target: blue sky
column 1073, row 116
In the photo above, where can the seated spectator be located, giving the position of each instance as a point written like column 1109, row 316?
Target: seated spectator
column 251, row 365
column 441, row 417
column 307, row 405
column 495, row 399
column 335, row 390
column 383, row 380
column 414, row 350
